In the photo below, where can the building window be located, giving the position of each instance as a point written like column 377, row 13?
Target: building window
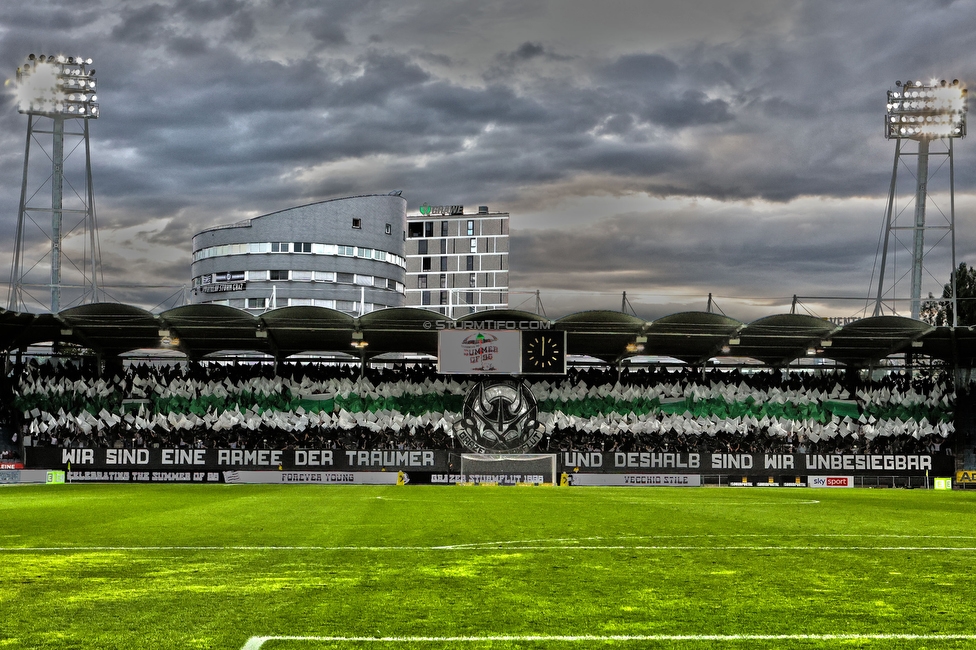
column 474, row 244
column 422, row 247
column 279, row 247
column 473, row 280
column 357, row 223
column 443, row 281
column 415, row 229
column 469, row 297
column 278, row 275
column 469, row 263
column 364, row 280
column 425, row 264
column 324, row 276
column 470, row 227
column 425, row 297
column 421, row 281
column 443, row 247
column 347, row 305
column 346, row 251
column 302, row 247
column 346, row 278
column 301, row 276
column 257, row 303
column 443, row 297
column 428, row 229
column 444, row 228
column 443, row 263
column 389, row 229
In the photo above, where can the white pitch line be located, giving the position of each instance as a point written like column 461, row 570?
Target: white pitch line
column 498, row 547
column 565, row 543
column 255, row 642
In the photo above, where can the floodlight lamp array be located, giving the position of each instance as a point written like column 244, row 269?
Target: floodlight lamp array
column 919, row 110
column 57, row 85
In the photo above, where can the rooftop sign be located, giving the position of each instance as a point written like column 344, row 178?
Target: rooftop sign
column 427, row 210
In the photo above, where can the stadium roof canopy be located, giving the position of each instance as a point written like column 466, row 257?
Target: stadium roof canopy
column 694, row 337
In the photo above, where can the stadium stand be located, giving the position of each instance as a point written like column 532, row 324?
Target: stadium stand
column 213, row 405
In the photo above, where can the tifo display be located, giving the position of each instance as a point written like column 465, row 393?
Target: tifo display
column 202, row 421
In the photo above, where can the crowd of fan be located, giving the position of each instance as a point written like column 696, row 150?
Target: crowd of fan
column 757, row 439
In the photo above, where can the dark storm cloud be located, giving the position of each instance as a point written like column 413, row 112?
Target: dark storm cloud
column 215, row 111
column 643, row 70
column 691, row 107
column 661, row 255
column 34, row 18
column 209, row 11
column 147, row 26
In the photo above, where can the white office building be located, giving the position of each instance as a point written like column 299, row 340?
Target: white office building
column 457, row 263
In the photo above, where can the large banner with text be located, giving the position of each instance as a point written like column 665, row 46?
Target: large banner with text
column 196, row 461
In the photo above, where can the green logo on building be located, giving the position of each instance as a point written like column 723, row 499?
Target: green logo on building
column 425, row 209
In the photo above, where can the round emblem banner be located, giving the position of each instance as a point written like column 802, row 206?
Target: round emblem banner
column 500, row 417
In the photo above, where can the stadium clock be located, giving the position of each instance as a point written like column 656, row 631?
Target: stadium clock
column 544, row 353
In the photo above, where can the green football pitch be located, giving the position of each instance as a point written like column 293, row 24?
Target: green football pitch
column 311, row 567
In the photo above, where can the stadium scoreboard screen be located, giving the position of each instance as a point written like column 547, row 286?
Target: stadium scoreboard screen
column 501, row 352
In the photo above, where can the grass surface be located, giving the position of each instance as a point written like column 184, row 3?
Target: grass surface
column 207, row 566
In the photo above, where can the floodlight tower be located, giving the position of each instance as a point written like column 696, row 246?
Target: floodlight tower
column 55, row 92
column 922, row 112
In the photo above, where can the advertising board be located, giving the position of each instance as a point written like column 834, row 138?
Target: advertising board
column 830, row 481
column 479, row 352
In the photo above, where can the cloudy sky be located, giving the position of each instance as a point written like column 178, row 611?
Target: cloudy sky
column 670, row 149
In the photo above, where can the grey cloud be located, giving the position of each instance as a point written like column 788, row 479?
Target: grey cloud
column 209, row 11
column 146, row 26
column 242, row 27
column 326, row 32
column 658, row 252
column 37, row 18
column 528, row 51
column 642, row 69
column 690, row 108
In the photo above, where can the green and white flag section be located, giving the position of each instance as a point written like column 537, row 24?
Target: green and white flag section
column 706, row 408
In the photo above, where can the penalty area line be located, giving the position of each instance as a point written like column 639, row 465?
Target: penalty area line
column 256, row 642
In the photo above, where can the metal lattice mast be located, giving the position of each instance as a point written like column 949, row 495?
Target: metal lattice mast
column 60, row 91
column 922, row 113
